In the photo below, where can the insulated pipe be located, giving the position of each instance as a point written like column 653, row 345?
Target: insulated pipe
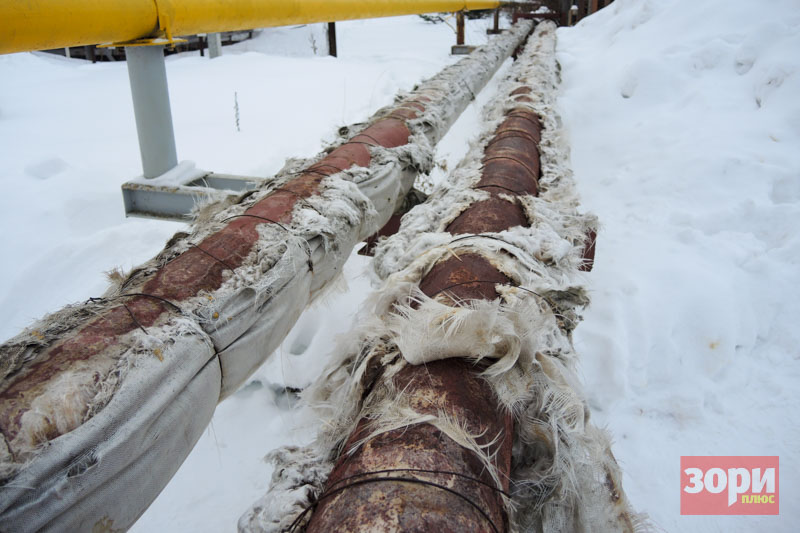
column 96, row 398
column 457, row 404
column 27, row 25
column 439, row 484
column 416, row 478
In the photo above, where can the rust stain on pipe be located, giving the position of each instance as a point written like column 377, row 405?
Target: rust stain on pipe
column 426, row 459
column 464, row 277
column 511, row 158
column 492, row 215
column 200, row 268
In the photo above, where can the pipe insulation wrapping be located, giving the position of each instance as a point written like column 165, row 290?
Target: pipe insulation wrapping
column 561, row 475
column 100, row 402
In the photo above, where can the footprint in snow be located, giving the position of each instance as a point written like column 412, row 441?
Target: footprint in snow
column 303, row 333
column 46, row 168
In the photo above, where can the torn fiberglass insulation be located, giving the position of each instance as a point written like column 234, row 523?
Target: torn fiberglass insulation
column 563, row 476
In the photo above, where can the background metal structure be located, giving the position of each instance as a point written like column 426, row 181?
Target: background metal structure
column 27, row 25
column 148, row 77
column 144, row 28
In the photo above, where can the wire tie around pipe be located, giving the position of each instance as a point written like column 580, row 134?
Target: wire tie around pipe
column 131, row 294
column 397, row 117
column 325, row 495
column 487, row 281
column 368, row 136
column 160, row 299
column 133, row 317
column 500, row 135
column 316, row 168
column 481, row 236
column 215, row 258
column 130, row 311
column 366, row 144
column 308, row 250
column 533, row 174
column 299, row 197
column 424, row 471
column 518, row 113
column 284, row 228
column 501, row 187
column 310, row 171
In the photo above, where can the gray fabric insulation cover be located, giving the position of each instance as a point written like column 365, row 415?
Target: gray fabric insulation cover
column 106, row 473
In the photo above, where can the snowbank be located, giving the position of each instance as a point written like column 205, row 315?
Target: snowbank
column 685, row 121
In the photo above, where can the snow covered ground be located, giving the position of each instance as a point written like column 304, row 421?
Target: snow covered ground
column 684, row 120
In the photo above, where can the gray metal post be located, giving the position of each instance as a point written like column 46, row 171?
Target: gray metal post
column 148, row 76
column 214, row 45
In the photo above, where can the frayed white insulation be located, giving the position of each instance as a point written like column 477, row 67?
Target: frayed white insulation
column 564, row 476
column 160, row 407
column 292, row 489
column 102, row 438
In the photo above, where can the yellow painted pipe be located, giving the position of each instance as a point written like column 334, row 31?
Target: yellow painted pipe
column 27, row 25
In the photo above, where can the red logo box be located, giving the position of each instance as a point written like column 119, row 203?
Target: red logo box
column 729, row 485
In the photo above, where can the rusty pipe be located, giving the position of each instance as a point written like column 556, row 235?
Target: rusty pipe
column 416, row 478
column 198, row 269
column 416, row 501
column 393, row 466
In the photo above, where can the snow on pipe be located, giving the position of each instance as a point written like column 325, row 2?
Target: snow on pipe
column 27, row 25
column 102, row 401
column 453, row 405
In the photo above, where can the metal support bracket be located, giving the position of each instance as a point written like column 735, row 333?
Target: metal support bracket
column 214, row 45
column 495, row 30
column 460, row 48
column 147, row 73
column 175, row 194
column 166, row 189
column 151, row 108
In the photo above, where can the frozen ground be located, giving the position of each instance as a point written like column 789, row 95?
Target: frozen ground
column 684, row 119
